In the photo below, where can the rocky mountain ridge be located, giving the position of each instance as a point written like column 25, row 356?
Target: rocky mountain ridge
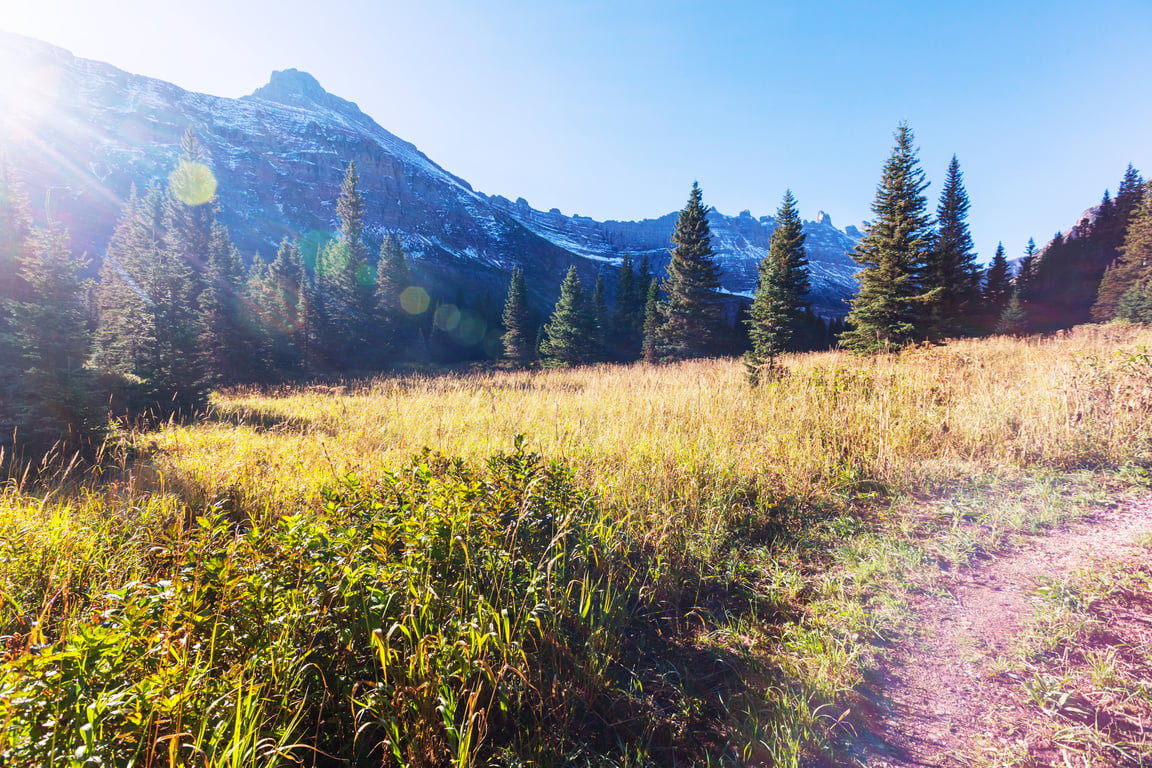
column 80, row 133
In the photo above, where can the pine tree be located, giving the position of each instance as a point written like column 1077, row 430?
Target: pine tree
column 644, row 280
column 569, row 334
column 997, row 288
column 1134, row 264
column 345, row 281
column 283, row 302
column 650, row 349
column 1014, row 319
column 778, row 310
column 192, row 234
column 889, row 308
column 693, row 313
column 1129, row 195
column 49, row 327
column 951, row 269
column 519, row 347
column 15, row 225
column 227, row 342
column 1025, row 281
column 627, row 315
column 258, row 322
column 191, row 209
column 149, row 325
column 392, row 331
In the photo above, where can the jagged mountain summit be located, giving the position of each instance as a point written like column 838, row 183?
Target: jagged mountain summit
column 80, row 133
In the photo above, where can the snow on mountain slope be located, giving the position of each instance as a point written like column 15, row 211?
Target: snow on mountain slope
column 81, row 133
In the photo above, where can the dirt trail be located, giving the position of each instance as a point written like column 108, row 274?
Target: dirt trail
column 936, row 695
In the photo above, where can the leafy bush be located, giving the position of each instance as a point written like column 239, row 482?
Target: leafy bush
column 437, row 616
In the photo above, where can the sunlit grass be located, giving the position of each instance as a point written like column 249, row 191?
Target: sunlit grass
column 693, row 436
column 774, row 530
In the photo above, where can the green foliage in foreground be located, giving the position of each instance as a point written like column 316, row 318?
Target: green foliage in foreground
column 440, row 616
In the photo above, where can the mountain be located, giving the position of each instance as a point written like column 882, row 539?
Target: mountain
column 80, row 133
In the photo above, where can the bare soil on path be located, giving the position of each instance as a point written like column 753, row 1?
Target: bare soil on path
column 939, row 698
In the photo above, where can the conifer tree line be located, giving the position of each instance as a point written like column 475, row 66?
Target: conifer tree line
column 683, row 316
column 176, row 311
column 920, row 279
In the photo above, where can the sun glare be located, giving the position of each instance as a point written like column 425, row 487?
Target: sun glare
column 192, row 183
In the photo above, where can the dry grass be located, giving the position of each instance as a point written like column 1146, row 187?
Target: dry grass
column 693, row 437
column 700, row 474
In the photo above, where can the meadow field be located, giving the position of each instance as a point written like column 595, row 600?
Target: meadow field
column 613, row 565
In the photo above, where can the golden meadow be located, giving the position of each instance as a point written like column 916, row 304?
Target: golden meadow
column 668, row 445
column 293, row 579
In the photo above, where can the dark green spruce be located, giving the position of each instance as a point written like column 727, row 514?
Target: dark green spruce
column 952, row 270
column 891, row 307
column 779, row 308
column 1134, row 264
column 518, row 340
column 569, row 335
column 345, row 283
column 997, row 288
column 392, row 331
column 150, row 325
column 692, row 323
column 50, row 329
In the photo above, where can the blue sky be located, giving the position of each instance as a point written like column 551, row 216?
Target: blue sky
column 613, row 109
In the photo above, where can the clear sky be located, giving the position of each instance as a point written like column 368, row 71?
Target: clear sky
column 612, row 109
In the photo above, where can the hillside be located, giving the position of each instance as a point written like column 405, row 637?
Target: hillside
column 81, row 133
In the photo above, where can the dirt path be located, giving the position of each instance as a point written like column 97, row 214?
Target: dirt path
column 937, row 696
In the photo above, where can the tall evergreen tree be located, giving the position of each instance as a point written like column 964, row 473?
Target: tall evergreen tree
column 569, row 334
column 191, row 209
column 1129, row 194
column 778, row 310
column 628, row 314
column 644, row 278
column 1134, row 265
column 890, row 307
column 15, row 224
column 392, row 331
column 1025, row 281
column 951, row 267
column 345, row 282
column 49, row 327
column 693, row 314
column 283, row 302
column 519, row 344
column 227, row 337
column 150, row 326
column 1106, row 218
column 997, row 288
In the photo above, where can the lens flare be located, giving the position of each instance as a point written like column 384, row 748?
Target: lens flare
column 311, row 245
column 447, row 317
column 414, row 300
column 192, row 183
column 469, row 330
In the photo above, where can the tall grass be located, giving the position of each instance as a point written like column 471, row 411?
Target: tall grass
column 283, row 582
column 682, row 447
